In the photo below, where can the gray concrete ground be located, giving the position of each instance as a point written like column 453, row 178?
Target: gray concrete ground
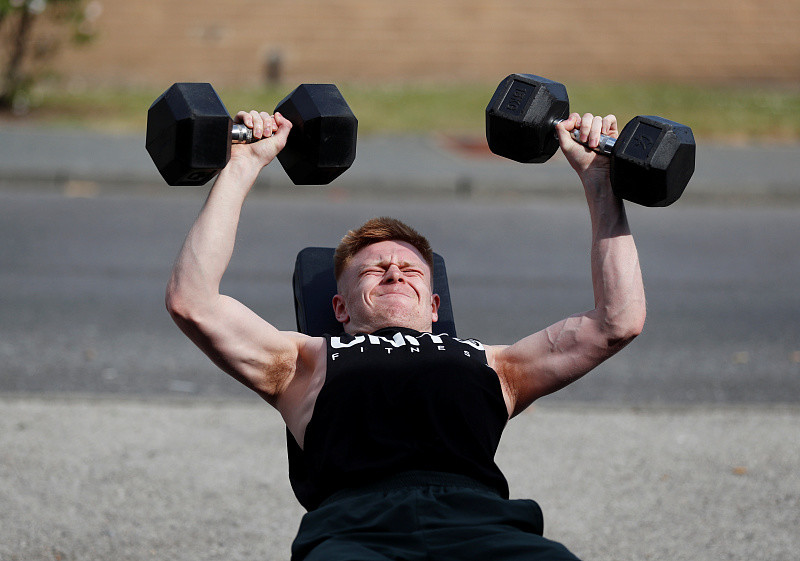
column 125, row 479
column 93, row 478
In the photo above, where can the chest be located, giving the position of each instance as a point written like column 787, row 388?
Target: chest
column 404, row 376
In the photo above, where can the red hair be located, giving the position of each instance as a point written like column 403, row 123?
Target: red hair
column 379, row 230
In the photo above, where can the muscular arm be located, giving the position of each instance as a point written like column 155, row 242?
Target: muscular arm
column 234, row 337
column 547, row 361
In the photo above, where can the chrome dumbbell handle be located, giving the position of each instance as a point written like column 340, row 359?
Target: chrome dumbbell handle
column 240, row 134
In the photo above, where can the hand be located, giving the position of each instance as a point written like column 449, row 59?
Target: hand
column 581, row 155
column 270, row 133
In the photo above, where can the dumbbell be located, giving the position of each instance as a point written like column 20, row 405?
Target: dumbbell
column 189, row 134
column 652, row 160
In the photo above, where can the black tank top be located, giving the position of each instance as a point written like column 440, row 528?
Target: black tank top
column 400, row 400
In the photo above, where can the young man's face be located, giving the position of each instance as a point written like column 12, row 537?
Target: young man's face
column 386, row 284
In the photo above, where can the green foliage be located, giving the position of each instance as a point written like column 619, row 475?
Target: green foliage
column 31, row 33
column 714, row 112
column 732, row 113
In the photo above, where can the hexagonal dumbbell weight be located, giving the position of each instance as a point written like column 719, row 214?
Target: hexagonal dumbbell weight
column 189, row 134
column 652, row 160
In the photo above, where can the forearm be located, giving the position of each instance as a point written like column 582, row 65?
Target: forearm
column 208, row 247
column 616, row 274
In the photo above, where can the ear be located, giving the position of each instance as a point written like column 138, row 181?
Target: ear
column 435, row 303
column 340, row 309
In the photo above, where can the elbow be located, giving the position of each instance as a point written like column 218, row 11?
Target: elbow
column 189, row 305
column 179, row 305
column 176, row 305
column 621, row 331
column 633, row 329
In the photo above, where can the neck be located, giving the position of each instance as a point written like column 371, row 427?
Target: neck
column 353, row 329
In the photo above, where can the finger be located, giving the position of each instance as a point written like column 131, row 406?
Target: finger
column 282, row 128
column 269, row 124
column 283, row 124
column 564, row 128
column 594, row 124
column 585, row 127
column 573, row 122
column 258, row 124
column 244, row 118
column 610, row 125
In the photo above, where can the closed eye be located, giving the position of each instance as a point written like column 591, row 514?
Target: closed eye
column 415, row 272
column 372, row 271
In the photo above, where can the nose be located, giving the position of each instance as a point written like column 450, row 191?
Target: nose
column 393, row 274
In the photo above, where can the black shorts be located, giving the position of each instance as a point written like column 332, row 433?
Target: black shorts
column 419, row 516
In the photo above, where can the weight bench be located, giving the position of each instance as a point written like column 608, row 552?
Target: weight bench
column 315, row 286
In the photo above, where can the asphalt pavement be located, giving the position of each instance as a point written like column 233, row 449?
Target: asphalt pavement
column 114, row 477
column 85, row 163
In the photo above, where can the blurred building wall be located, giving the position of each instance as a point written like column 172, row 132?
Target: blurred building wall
column 152, row 42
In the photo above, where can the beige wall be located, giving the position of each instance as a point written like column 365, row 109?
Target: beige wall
column 153, row 42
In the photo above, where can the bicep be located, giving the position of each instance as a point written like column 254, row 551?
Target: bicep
column 243, row 345
column 551, row 359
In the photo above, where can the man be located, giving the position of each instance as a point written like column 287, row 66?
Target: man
column 395, row 428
